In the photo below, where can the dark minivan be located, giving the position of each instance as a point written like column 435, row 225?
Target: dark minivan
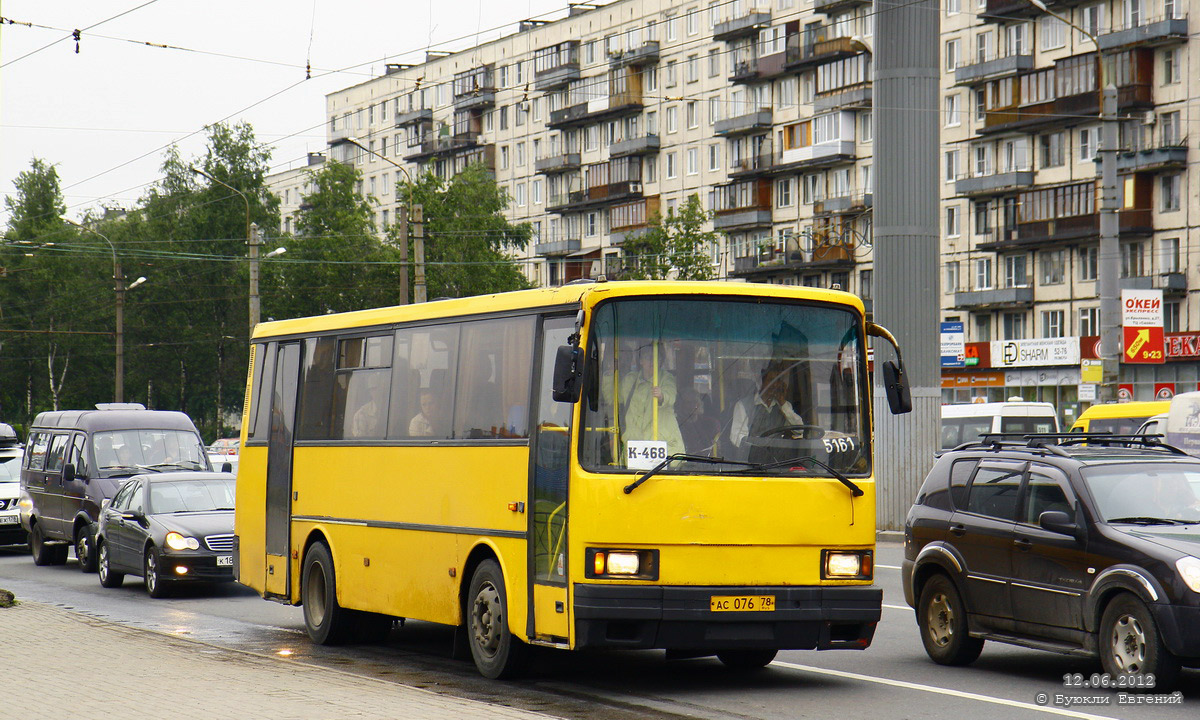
column 76, row 459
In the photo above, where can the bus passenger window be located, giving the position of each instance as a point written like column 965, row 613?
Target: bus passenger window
column 495, row 364
column 423, row 376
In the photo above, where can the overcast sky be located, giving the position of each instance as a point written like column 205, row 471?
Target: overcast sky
column 105, row 115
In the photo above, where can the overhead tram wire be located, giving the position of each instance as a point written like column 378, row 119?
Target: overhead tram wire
column 75, row 34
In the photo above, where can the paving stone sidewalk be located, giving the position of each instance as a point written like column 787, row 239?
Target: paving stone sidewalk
column 60, row 664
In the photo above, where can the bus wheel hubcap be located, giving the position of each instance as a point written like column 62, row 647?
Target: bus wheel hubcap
column 488, row 619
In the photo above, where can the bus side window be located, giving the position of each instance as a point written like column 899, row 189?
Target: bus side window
column 495, row 364
column 423, row 382
column 264, row 377
column 316, row 393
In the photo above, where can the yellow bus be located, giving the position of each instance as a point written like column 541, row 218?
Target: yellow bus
column 676, row 465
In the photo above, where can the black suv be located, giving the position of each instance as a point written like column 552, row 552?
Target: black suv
column 1080, row 544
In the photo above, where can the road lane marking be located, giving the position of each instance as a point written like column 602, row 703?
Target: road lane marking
column 940, row 691
column 888, row 567
column 897, row 607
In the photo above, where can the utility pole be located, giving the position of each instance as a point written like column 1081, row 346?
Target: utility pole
column 418, row 233
column 907, row 244
column 119, row 279
column 1108, row 261
column 402, row 222
column 254, row 242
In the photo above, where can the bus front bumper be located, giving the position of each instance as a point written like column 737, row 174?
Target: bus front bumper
column 681, row 618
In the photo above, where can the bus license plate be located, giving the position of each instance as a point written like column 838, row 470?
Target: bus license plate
column 741, row 603
column 224, row 561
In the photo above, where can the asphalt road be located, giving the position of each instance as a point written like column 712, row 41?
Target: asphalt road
column 892, row 679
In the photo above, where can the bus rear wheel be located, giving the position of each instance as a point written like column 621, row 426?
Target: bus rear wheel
column 327, row 622
column 497, row 653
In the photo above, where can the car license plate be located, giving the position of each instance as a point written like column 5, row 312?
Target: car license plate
column 224, row 561
column 741, row 603
column 9, row 519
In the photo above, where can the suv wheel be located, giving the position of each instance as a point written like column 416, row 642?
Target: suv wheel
column 942, row 618
column 83, row 550
column 1131, row 645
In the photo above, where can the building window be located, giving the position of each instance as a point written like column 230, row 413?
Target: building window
column 1088, row 140
column 1170, row 65
column 1015, row 271
column 951, row 277
column 1093, row 21
column 1171, row 311
column 672, row 171
column 693, row 161
column 1088, row 262
column 693, row 22
column 983, row 273
column 953, row 110
column 951, row 165
column 953, row 229
column 714, row 156
column 952, row 54
column 1168, row 255
column 672, row 119
column 714, row 63
column 519, row 192
column 1014, row 326
column 1089, row 321
column 783, row 193
column 865, row 284
column 714, row 110
column 1054, row 32
column 1133, row 259
column 1169, row 192
column 983, row 327
column 692, row 68
column 1054, row 264
column 1052, row 324
column 590, row 224
column 1051, row 146
column 692, row 114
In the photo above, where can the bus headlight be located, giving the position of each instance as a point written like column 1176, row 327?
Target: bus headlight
column 847, row 565
column 177, row 541
column 636, row 564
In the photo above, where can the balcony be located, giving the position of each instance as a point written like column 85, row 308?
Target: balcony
column 556, row 163
column 1006, row 10
column 831, row 7
column 743, row 124
column 844, row 205
column 341, row 134
column 646, row 54
column 1131, row 222
column 645, row 145
column 1170, row 157
column 561, row 246
column 994, row 298
column 760, row 164
column 447, row 145
column 603, row 194
column 768, row 261
column 617, row 238
column 556, row 77
column 744, row 26
column 556, row 65
column 559, row 202
column 999, row 183
column 600, row 109
column 476, row 99
column 993, row 69
column 631, row 219
column 414, row 117
column 1149, row 34
column 819, row 51
column 742, row 219
column 1171, row 283
column 1006, row 119
column 759, row 69
column 854, row 98
column 484, row 155
column 829, row 153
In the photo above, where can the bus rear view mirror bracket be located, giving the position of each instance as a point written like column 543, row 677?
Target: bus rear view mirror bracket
column 895, row 379
column 568, row 374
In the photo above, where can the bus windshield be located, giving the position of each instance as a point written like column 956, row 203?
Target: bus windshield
column 754, row 382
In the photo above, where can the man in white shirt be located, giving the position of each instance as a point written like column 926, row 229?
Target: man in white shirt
column 767, row 410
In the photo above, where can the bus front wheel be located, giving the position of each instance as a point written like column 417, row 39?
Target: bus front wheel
column 327, row 622
column 497, row 653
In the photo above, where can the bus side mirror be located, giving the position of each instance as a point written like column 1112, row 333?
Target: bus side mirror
column 226, row 467
column 568, row 374
column 896, row 384
column 68, row 473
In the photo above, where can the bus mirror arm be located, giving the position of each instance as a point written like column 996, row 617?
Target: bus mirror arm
column 895, row 379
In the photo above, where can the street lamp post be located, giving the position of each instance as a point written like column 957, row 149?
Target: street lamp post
column 251, row 244
column 1109, row 257
column 414, row 215
column 119, row 287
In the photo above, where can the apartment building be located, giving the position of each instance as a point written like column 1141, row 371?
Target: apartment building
column 597, row 121
column 291, row 186
column 1020, row 115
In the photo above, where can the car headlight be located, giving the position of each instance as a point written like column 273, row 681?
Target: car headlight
column 178, row 541
column 846, row 564
column 1189, row 570
column 639, row 564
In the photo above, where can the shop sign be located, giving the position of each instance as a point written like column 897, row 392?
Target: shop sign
column 1091, row 371
column 1087, row 392
column 1142, row 326
column 973, row 380
column 1124, row 393
column 1142, row 345
column 1030, row 353
column 1182, row 345
column 954, row 351
column 1164, row 391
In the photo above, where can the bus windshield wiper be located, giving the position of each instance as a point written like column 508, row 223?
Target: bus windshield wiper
column 855, row 490
column 682, row 456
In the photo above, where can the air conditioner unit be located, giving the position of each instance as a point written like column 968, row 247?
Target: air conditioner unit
column 635, row 187
column 1149, row 118
column 524, row 106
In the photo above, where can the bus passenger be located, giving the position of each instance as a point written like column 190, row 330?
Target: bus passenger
column 769, row 409
column 639, row 391
column 422, row 423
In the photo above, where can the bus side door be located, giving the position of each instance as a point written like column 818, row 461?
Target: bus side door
column 284, row 393
column 549, row 472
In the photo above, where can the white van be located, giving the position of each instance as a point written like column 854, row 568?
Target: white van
column 965, row 423
column 1182, row 426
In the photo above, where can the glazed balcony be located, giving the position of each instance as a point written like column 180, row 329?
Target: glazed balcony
column 747, row 25
column 556, row 66
column 474, row 89
column 826, row 154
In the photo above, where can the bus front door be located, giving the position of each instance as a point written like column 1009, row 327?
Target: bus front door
column 549, row 465
column 279, row 469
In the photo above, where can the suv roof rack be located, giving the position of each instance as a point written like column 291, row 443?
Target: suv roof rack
column 1055, row 442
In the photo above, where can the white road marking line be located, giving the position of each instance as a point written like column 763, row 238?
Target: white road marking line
column 940, row 691
column 888, row 567
column 897, row 607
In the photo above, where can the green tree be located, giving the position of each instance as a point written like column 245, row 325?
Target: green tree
column 675, row 244
column 336, row 262
column 469, row 244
